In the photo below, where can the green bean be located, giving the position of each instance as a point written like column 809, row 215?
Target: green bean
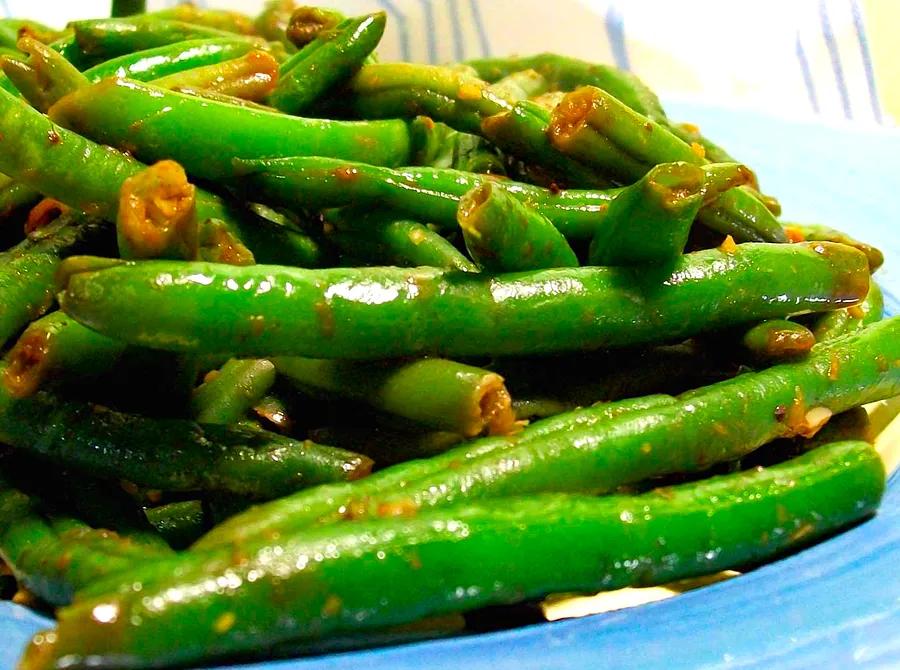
column 467, row 104
column 14, row 197
column 521, row 85
column 426, row 194
column 157, row 215
column 27, row 270
column 332, row 503
column 107, row 38
column 778, row 339
column 565, row 74
column 272, row 22
column 649, row 221
column 596, row 128
column 326, row 62
column 11, row 30
column 386, row 572
column 233, row 390
column 55, row 560
column 384, row 312
column 88, row 177
column 128, row 7
column 438, row 393
column 531, row 409
column 385, row 238
column 170, row 59
column 57, row 347
column 205, row 137
column 690, row 134
column 250, row 77
column 799, row 232
column 47, row 76
column 276, row 413
column 169, row 454
column 711, row 425
column 504, row 235
column 306, row 23
column 437, row 145
column 836, row 323
column 180, row 523
column 220, row 19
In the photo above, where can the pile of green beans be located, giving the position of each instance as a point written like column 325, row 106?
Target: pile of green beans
column 302, row 351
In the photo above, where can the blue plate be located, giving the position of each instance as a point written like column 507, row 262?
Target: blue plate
column 835, row 605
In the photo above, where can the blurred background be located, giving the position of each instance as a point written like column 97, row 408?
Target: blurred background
column 832, row 59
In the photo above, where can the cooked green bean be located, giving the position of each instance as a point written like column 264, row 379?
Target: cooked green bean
column 56, row 347
column 169, row 454
column 272, row 22
column 778, row 339
column 220, row 19
column 707, row 426
column 205, row 137
column 426, row 194
column 326, row 62
column 438, row 145
column 396, row 570
column 170, row 59
column 384, row 312
column 46, row 77
column 503, row 234
column 593, row 126
column 306, row 23
column 439, row 393
column 12, row 30
column 565, row 74
column 233, row 391
column 88, row 177
column 521, row 85
column 54, row 562
column 385, row 238
column 799, row 232
column 252, row 77
column 331, row 503
column 180, row 523
column 103, row 39
column 27, row 270
column 849, row 320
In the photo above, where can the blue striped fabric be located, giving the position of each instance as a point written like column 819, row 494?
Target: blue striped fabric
column 835, row 56
column 860, row 28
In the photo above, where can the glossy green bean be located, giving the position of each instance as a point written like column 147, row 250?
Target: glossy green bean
column 11, row 30
column 565, row 74
column 438, row 393
column 180, row 523
column 504, row 235
column 426, row 194
column 778, row 339
column 438, row 145
column 27, row 270
column 521, row 85
column 220, row 19
column 387, row 572
column 386, row 238
column 799, row 232
column 333, row 503
column 707, row 426
column 251, row 77
column 596, row 128
column 169, row 454
column 326, row 62
column 836, row 323
column 170, row 59
column 272, row 22
column 233, row 391
column 384, row 312
column 57, row 348
column 103, row 39
column 88, row 177
column 306, row 23
column 53, row 560
column 205, row 136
